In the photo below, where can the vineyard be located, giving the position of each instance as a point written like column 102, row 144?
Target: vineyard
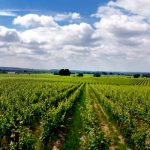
column 42, row 111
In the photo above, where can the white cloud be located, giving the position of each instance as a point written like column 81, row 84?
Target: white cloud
column 119, row 40
column 34, row 20
column 69, row 34
column 7, row 13
column 140, row 7
column 47, row 43
column 65, row 16
column 8, row 35
column 123, row 25
column 106, row 11
column 122, row 37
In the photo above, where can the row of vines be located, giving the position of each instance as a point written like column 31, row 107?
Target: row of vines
column 24, row 105
column 114, row 112
column 129, row 108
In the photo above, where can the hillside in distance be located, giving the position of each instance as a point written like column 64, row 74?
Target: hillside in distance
column 29, row 70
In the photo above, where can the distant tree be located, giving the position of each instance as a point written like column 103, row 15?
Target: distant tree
column 25, row 71
column 146, row 75
column 136, row 75
column 64, row 72
column 96, row 75
column 56, row 73
column 104, row 73
column 80, row 75
column 3, row 72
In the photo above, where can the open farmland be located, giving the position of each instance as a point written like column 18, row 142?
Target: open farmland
column 43, row 111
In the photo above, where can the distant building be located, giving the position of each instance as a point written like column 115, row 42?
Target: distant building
column 11, row 72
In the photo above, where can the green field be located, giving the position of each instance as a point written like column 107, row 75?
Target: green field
column 45, row 111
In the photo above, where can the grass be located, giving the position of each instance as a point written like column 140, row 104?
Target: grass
column 72, row 141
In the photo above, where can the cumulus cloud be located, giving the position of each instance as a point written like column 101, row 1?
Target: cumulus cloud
column 123, row 25
column 46, row 42
column 34, row 20
column 8, row 35
column 140, row 7
column 106, row 11
column 118, row 40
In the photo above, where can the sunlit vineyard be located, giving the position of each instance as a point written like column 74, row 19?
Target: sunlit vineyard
column 43, row 111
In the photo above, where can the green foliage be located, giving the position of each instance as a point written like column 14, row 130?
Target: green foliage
column 128, row 106
column 44, row 101
column 64, row 72
column 136, row 75
column 97, row 75
column 94, row 136
column 55, row 118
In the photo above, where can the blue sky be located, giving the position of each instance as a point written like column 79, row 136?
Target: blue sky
column 88, row 35
column 84, row 7
column 47, row 7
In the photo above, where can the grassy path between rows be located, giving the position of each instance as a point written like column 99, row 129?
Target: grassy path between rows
column 58, row 141
column 73, row 138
